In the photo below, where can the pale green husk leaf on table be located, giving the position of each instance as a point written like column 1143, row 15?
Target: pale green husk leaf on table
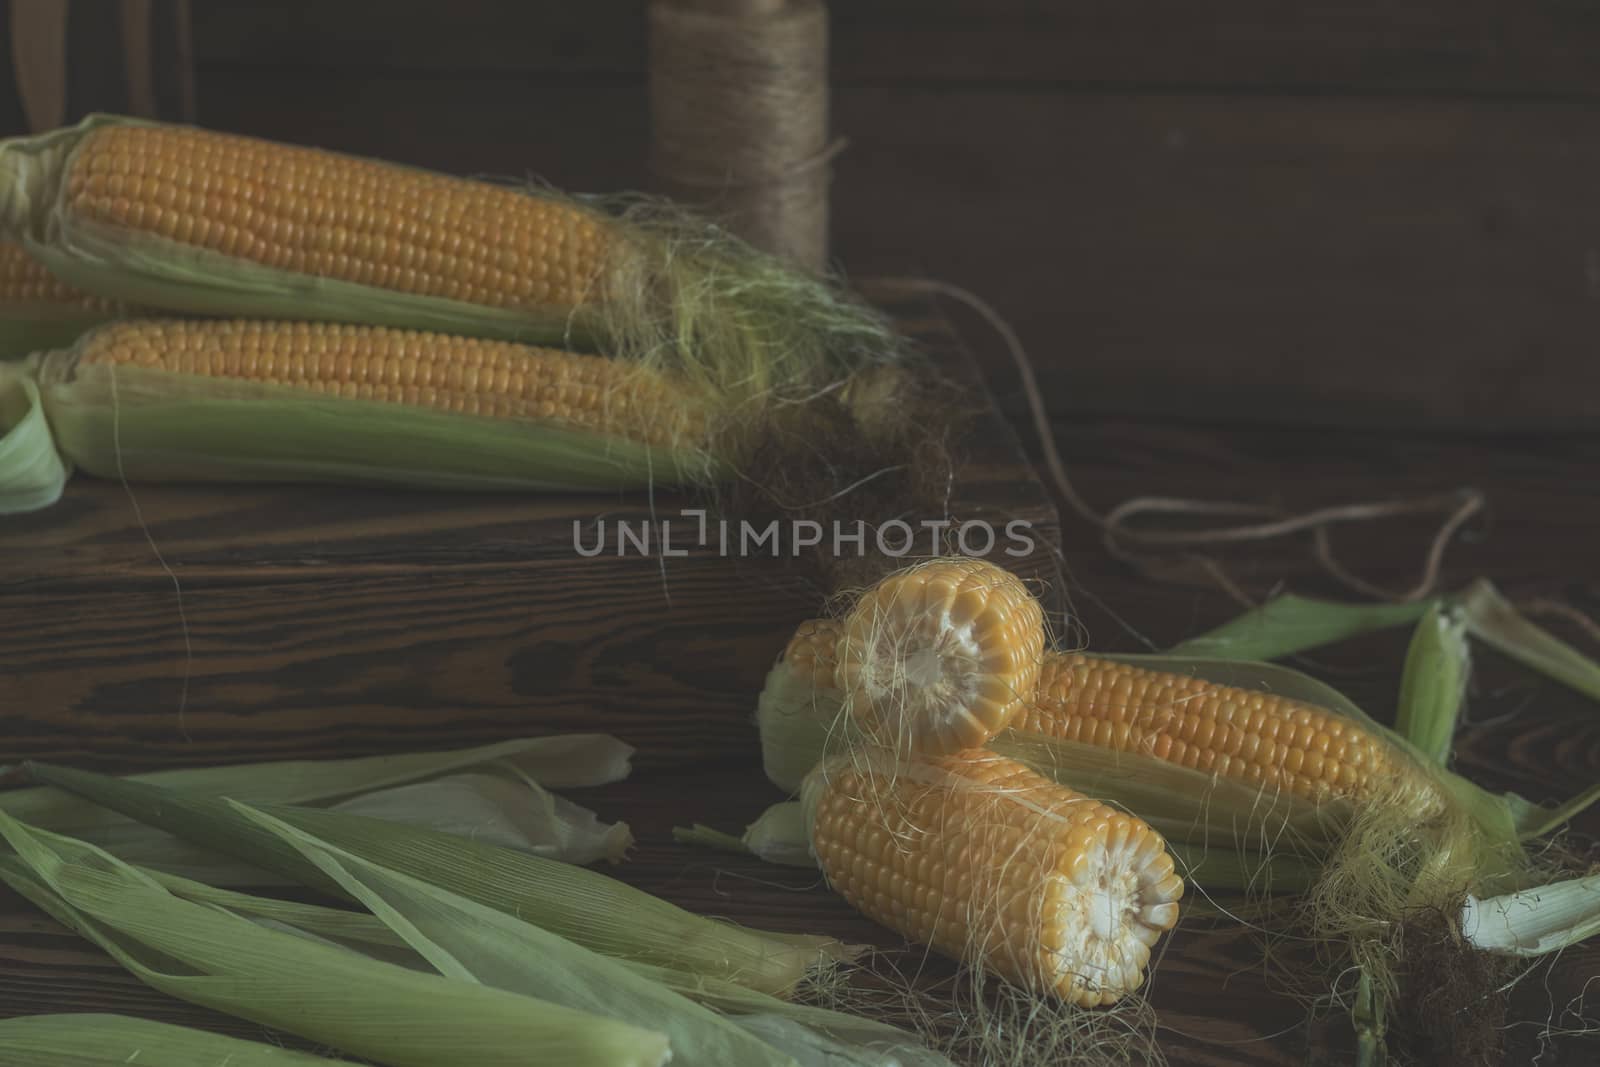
column 75, row 1039
column 469, row 942
column 32, row 473
column 365, row 933
column 550, row 826
column 326, row 994
column 1289, row 624
column 1491, row 619
column 575, row 902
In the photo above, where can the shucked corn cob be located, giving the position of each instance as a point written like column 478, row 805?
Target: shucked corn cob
column 940, row 657
column 993, row 864
column 1253, row 737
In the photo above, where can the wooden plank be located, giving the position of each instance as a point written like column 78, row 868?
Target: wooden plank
column 1216, row 1004
column 317, row 619
column 1269, row 259
column 1483, row 46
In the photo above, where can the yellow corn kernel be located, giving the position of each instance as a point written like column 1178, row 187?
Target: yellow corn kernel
column 940, row 657
column 812, row 651
column 312, row 212
column 995, row 865
column 26, row 284
column 470, row 376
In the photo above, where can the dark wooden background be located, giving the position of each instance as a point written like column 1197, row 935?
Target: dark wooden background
column 1367, row 212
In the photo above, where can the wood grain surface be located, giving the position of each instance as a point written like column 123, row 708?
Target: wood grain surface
column 279, row 622
column 431, row 636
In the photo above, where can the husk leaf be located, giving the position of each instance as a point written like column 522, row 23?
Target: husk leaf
column 32, row 473
column 467, row 941
column 1534, row 922
column 574, row 902
column 558, row 761
column 326, row 994
column 98, row 1040
column 1289, row 624
column 1491, row 619
column 1433, row 686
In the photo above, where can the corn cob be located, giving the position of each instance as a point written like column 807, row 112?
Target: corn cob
column 940, row 657
column 162, row 399
column 991, row 863
column 1258, row 738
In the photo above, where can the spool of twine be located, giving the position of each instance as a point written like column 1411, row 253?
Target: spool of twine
column 739, row 116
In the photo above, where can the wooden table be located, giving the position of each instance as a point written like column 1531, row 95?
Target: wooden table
column 698, row 759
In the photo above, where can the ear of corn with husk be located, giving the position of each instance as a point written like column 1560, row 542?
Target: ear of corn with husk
column 232, row 400
column 193, row 220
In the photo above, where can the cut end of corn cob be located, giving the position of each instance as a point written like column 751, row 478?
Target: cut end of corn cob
column 941, row 657
column 995, row 865
column 467, row 376
column 1254, row 737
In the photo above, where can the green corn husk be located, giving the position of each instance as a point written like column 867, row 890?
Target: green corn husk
column 467, row 941
column 95, row 1040
column 1289, row 624
column 367, row 934
column 366, row 1008
column 32, row 473
column 142, row 424
column 576, row 903
column 1433, row 686
column 364, row 784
